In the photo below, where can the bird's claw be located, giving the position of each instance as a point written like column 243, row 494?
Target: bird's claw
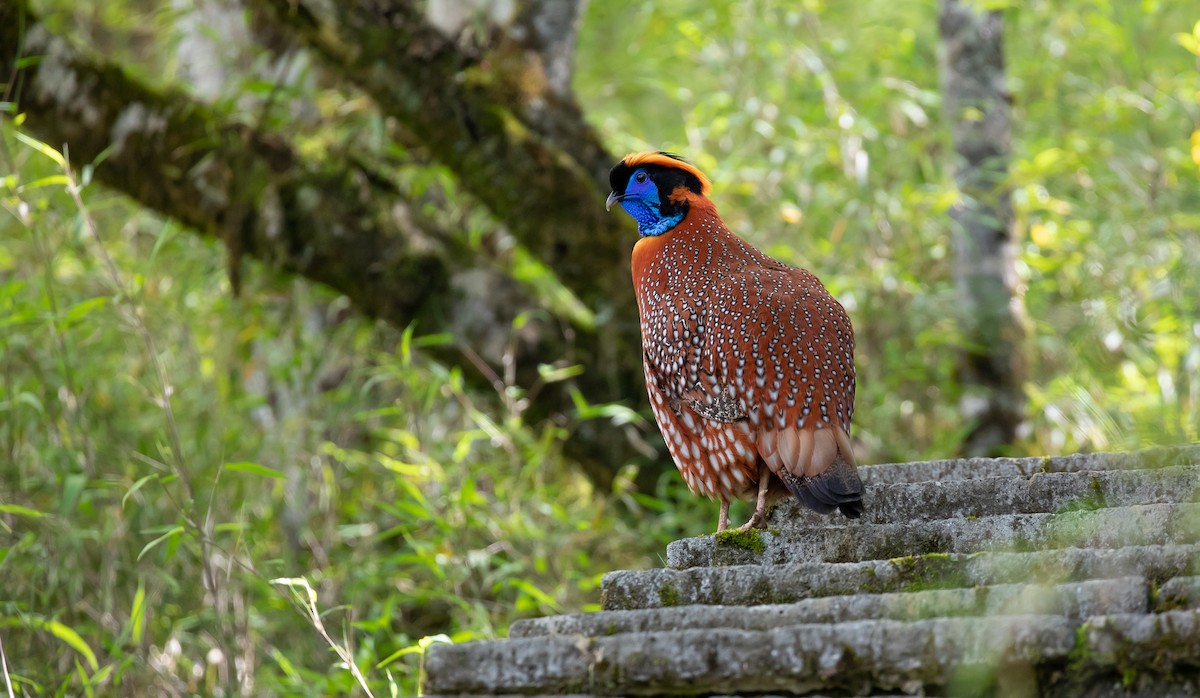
column 757, row 521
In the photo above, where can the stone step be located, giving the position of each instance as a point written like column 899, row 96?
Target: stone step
column 1055, row 577
column 991, row 496
column 971, row 468
column 1011, row 653
column 1074, row 601
column 1177, row 593
column 858, row 656
column 751, row 585
column 1148, row 524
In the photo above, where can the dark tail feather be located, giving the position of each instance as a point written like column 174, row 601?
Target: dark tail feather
column 836, row 488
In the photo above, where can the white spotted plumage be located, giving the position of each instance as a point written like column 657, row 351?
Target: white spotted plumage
column 721, row 321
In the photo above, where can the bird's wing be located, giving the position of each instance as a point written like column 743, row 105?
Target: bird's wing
column 706, row 432
column 797, row 385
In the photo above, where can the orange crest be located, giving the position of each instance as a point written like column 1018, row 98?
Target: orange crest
column 663, row 159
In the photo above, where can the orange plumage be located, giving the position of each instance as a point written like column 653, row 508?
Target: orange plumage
column 749, row 362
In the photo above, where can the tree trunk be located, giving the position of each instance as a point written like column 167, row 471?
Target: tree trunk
column 991, row 362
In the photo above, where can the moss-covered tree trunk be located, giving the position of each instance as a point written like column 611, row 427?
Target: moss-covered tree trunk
column 991, row 362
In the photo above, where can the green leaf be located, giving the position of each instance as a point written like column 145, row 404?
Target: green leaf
column 62, row 632
column 42, row 148
column 137, row 615
column 1189, row 41
column 137, row 486
column 82, row 308
column 27, row 398
column 260, row 87
column 174, row 531
column 164, row 236
column 434, row 340
column 83, row 680
column 53, row 180
column 253, row 469
column 411, row 649
column 73, row 486
column 18, row 510
column 418, row 648
column 285, row 664
column 551, row 374
column 99, row 677
column 440, row 639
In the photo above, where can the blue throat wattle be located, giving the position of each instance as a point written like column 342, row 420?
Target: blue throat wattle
column 649, row 221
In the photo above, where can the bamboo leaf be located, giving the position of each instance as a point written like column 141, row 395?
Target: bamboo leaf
column 64, row 633
column 42, row 148
column 18, row 510
column 137, row 615
column 174, row 531
column 137, row 486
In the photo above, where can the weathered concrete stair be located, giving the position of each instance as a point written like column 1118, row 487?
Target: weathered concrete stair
column 1060, row 576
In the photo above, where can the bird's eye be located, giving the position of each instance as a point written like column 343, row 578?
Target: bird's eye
column 640, row 177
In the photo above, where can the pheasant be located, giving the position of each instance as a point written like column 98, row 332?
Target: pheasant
column 749, row 362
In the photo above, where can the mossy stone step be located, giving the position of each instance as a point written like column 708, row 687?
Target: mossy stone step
column 1147, row 524
column 1176, row 594
column 1012, row 655
column 1074, row 601
column 749, row 585
column 971, row 468
column 856, row 657
column 975, row 498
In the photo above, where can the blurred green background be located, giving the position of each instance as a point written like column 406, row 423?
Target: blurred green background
column 315, row 444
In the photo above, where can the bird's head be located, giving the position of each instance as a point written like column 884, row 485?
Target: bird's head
column 656, row 188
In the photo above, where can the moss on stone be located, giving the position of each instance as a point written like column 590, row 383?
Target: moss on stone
column 1022, row 545
column 1092, row 501
column 746, row 539
column 930, row 571
column 1164, row 659
column 1077, row 657
column 611, row 601
column 1129, row 677
column 1160, row 601
column 761, row 593
column 668, row 595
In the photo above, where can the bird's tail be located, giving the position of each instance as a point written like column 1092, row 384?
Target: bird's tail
column 839, row 487
column 817, row 466
column 829, row 479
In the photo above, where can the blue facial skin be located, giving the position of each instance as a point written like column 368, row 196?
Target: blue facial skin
column 641, row 201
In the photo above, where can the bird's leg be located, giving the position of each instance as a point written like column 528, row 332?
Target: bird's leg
column 723, row 519
column 759, row 519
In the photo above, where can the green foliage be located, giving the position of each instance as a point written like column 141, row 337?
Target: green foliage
column 169, row 450
column 173, row 455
